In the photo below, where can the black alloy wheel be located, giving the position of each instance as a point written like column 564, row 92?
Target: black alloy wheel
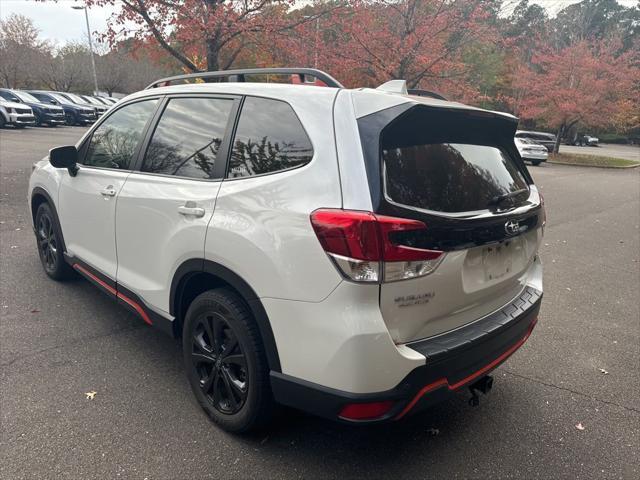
column 225, row 361
column 47, row 242
column 219, row 362
column 50, row 245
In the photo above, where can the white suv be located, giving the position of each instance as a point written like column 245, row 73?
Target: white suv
column 358, row 254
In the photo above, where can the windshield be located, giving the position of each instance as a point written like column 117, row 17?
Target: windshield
column 9, row 97
column 75, row 98
column 61, row 99
column 25, row 97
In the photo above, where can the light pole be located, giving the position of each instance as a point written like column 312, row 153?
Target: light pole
column 93, row 62
column 315, row 43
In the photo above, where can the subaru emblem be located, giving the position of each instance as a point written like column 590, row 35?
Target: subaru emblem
column 512, row 227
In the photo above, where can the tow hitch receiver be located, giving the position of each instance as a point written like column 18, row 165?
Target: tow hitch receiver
column 483, row 385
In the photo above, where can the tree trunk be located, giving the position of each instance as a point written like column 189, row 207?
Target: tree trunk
column 556, row 147
column 213, row 52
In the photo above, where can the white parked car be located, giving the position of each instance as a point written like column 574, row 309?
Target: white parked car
column 358, row 254
column 16, row 114
column 531, row 151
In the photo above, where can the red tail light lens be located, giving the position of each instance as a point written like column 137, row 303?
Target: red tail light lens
column 350, row 234
column 366, row 411
column 361, row 244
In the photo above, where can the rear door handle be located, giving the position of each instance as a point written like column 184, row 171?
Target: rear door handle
column 109, row 191
column 190, row 209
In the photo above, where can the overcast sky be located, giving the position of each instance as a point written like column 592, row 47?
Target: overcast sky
column 58, row 22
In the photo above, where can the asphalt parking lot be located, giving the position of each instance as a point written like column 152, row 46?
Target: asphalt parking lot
column 628, row 152
column 59, row 341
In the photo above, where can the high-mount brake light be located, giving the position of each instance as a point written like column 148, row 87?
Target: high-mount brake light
column 363, row 248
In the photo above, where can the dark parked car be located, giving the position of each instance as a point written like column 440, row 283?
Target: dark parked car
column 74, row 114
column 45, row 113
column 541, row 138
column 78, row 100
column 97, row 104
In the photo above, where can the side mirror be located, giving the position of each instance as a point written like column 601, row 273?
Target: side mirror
column 65, row 157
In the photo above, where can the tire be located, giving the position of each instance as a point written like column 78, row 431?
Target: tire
column 2, row 121
column 226, row 363
column 70, row 119
column 49, row 242
column 535, row 163
column 38, row 121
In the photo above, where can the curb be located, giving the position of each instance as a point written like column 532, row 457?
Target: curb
column 593, row 166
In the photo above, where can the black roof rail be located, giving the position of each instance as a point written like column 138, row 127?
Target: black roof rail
column 425, row 93
column 239, row 75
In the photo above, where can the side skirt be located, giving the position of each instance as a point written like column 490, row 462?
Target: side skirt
column 122, row 295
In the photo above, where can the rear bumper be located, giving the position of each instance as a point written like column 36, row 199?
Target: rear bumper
column 454, row 360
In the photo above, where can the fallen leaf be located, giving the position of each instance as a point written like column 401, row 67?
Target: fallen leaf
column 580, row 426
column 35, row 310
column 91, row 394
column 433, row 431
column 568, row 289
column 603, row 371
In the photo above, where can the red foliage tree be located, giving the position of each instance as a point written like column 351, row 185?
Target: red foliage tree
column 587, row 82
column 216, row 31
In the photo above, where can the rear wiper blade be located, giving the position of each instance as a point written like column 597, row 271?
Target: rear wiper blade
column 498, row 199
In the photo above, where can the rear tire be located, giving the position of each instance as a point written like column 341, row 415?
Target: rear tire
column 50, row 247
column 225, row 361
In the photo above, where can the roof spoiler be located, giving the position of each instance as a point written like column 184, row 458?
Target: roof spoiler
column 239, row 76
column 400, row 86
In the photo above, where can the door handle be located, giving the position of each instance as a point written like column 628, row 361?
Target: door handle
column 190, row 209
column 108, row 191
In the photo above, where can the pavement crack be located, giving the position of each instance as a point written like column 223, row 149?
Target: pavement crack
column 591, row 397
column 75, row 342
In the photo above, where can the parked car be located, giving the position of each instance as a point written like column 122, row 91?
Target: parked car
column 104, row 101
column 74, row 114
column 77, row 100
column 45, row 114
column 110, row 100
column 586, row 140
column 370, row 252
column 531, row 151
column 17, row 114
column 100, row 107
column 542, row 138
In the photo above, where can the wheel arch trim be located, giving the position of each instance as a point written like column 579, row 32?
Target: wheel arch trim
column 198, row 265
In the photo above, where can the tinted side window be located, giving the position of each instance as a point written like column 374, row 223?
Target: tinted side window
column 188, row 136
column 114, row 142
column 269, row 138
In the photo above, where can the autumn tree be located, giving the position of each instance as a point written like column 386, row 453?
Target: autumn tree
column 586, row 82
column 217, row 30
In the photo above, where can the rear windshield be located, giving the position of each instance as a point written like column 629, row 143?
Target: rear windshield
column 450, row 177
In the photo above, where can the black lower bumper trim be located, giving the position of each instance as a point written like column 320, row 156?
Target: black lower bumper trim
column 454, row 360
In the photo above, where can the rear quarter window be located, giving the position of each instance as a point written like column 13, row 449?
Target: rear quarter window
column 269, row 138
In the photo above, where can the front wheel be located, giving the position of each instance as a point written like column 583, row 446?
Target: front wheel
column 535, row 163
column 225, row 361
column 70, row 119
column 50, row 244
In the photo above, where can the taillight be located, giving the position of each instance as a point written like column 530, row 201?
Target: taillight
column 363, row 248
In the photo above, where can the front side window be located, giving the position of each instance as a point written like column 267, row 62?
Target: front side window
column 188, row 137
column 113, row 144
column 269, row 138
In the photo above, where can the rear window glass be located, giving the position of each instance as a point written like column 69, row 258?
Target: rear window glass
column 450, row 177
